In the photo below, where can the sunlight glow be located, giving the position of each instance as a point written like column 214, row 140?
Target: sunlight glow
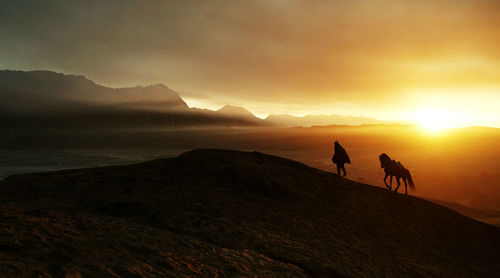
column 435, row 120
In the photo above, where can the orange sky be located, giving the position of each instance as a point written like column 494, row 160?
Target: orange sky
column 384, row 59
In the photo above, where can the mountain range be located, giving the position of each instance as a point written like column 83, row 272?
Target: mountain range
column 49, row 99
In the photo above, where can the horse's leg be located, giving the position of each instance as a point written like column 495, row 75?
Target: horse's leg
column 390, row 183
column 385, row 182
column 406, row 186
column 399, row 183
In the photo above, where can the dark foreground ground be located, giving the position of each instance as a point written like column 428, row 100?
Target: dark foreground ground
column 217, row 213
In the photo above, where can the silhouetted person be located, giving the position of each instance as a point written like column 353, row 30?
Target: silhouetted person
column 340, row 157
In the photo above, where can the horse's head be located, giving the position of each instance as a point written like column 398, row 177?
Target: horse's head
column 384, row 158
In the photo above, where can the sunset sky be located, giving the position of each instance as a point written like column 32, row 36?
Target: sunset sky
column 392, row 60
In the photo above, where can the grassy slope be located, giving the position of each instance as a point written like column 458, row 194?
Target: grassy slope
column 215, row 212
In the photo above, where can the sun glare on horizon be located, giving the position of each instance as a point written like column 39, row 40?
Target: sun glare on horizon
column 435, row 120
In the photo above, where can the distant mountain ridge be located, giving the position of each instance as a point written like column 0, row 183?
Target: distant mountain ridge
column 235, row 110
column 240, row 113
column 48, row 87
column 320, row 120
column 161, row 95
column 50, row 99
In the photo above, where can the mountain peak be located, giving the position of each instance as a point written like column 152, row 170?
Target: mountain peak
column 158, row 86
column 236, row 111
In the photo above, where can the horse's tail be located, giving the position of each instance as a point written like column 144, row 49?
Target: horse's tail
column 410, row 181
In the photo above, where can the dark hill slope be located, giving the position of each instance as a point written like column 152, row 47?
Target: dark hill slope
column 226, row 213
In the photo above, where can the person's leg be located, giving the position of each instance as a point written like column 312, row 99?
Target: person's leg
column 338, row 169
column 343, row 169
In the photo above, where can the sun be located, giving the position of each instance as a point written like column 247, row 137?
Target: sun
column 435, row 120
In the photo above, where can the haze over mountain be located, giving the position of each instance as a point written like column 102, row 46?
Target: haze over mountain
column 45, row 98
column 49, row 99
column 224, row 213
column 48, row 88
column 240, row 113
column 320, row 120
column 236, row 111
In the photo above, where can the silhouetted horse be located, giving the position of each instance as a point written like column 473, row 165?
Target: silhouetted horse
column 396, row 169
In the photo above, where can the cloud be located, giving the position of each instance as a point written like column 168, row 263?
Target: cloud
column 297, row 52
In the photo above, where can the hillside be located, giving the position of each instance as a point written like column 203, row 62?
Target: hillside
column 488, row 216
column 226, row 213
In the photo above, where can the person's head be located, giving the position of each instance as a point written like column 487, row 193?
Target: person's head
column 337, row 142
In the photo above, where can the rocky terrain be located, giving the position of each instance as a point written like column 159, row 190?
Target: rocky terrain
column 219, row 213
